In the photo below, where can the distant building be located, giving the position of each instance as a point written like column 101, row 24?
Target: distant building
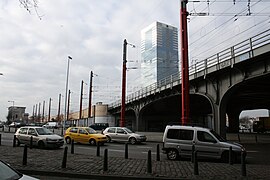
column 17, row 114
column 159, row 52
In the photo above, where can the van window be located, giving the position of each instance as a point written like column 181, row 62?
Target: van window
column 205, row 137
column 181, row 134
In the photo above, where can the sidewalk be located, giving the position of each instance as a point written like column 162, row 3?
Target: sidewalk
column 49, row 162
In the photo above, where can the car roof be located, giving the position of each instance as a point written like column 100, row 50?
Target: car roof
column 186, row 127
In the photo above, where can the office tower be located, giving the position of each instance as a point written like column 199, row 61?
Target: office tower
column 159, row 53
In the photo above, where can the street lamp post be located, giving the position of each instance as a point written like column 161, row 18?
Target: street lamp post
column 69, row 58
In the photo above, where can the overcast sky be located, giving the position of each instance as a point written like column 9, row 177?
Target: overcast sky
column 34, row 47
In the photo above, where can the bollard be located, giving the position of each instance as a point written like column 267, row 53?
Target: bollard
column 238, row 137
column 230, row 155
column 256, row 139
column 158, row 153
column 25, row 155
column 64, row 162
column 14, row 141
column 31, row 142
column 98, row 149
column 0, row 138
column 192, row 153
column 243, row 164
column 72, row 146
column 126, row 151
column 149, row 162
column 196, row 168
column 105, row 162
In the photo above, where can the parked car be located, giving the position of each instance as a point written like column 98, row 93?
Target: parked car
column 84, row 135
column 123, row 134
column 42, row 137
column 16, row 124
column 99, row 126
column 178, row 141
column 51, row 125
column 8, row 173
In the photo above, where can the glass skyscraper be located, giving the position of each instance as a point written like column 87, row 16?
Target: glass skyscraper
column 159, row 52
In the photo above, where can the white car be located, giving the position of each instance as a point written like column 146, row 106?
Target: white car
column 123, row 134
column 8, row 173
column 42, row 137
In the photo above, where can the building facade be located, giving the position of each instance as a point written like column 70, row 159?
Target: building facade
column 159, row 52
column 17, row 114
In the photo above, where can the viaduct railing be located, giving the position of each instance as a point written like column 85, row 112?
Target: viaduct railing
column 240, row 52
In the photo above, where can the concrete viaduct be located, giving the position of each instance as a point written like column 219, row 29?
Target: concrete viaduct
column 221, row 87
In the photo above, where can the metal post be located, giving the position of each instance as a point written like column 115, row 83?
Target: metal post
column 105, row 162
column 25, row 155
column 196, row 168
column 0, row 139
column 67, row 108
column 149, row 162
column 123, row 104
column 64, row 161
column 98, row 149
column 184, row 59
column 59, row 107
column 126, row 151
column 65, row 118
column 14, row 141
column 31, row 142
column 192, row 153
column 90, row 95
column 81, row 98
column 49, row 114
column 72, row 146
column 243, row 164
column 230, row 155
column 158, row 153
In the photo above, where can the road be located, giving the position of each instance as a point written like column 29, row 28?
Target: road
column 257, row 153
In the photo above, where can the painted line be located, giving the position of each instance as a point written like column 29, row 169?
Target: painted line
column 252, row 151
column 152, row 153
column 144, row 147
column 115, row 150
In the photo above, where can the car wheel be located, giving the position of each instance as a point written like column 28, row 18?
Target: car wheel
column 41, row 145
column 109, row 139
column 132, row 140
column 172, row 154
column 92, row 142
column 68, row 140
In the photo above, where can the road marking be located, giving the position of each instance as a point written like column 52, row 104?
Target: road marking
column 144, row 147
column 151, row 153
column 252, row 151
column 116, row 150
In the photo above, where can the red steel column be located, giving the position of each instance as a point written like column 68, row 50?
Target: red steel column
column 184, row 61
column 123, row 106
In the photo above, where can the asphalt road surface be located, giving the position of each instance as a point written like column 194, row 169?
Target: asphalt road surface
column 257, row 153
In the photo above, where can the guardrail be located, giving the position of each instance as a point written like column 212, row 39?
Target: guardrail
column 243, row 50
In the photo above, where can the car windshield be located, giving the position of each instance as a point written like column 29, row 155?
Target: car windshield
column 217, row 136
column 8, row 173
column 91, row 131
column 44, row 131
column 128, row 130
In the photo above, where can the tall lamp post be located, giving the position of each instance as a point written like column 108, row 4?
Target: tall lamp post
column 12, row 110
column 69, row 58
column 123, row 104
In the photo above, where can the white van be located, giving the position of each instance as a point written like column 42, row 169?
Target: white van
column 178, row 141
column 51, row 125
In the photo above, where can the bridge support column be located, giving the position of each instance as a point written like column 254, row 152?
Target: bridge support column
column 233, row 118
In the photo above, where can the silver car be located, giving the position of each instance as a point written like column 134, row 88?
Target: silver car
column 123, row 134
column 42, row 137
column 178, row 141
